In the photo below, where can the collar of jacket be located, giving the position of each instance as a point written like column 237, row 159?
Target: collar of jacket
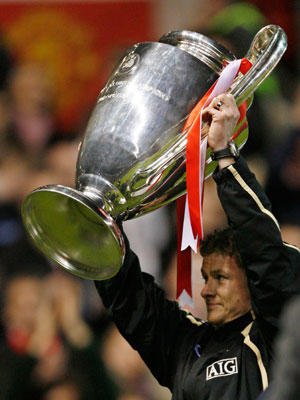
column 236, row 325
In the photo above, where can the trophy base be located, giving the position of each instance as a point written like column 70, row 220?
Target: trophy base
column 70, row 229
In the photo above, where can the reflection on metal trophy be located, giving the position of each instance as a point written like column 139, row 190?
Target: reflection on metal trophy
column 132, row 157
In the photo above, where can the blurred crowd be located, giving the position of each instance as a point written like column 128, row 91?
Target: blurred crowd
column 56, row 340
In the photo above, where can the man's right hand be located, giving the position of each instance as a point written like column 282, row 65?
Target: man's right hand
column 224, row 115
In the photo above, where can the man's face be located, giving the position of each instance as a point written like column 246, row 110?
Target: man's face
column 225, row 291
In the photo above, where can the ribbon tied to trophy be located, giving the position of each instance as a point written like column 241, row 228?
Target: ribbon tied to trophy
column 190, row 206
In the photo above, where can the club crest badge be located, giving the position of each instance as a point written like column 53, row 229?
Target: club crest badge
column 129, row 63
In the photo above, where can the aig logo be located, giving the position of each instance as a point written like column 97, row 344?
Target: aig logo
column 222, row 368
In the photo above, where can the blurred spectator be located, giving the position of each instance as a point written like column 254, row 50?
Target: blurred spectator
column 283, row 183
column 286, row 368
column 46, row 346
column 131, row 373
column 32, row 97
column 34, row 152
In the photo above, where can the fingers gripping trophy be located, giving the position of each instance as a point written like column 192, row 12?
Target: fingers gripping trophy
column 132, row 159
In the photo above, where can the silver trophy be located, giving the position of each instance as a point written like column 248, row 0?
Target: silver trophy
column 132, row 157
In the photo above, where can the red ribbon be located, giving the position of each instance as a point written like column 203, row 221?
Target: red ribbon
column 184, row 281
column 184, row 257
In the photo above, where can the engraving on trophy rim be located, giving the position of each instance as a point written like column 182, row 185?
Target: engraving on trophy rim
column 130, row 85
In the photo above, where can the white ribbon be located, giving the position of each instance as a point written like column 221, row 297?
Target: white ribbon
column 224, row 82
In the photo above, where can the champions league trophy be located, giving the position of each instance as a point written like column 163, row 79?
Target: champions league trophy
column 132, row 158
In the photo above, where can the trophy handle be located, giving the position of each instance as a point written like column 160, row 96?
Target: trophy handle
column 266, row 50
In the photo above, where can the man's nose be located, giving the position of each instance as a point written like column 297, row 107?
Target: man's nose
column 208, row 289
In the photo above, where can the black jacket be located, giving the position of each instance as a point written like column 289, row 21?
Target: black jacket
column 194, row 359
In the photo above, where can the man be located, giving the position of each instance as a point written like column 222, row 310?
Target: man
column 228, row 357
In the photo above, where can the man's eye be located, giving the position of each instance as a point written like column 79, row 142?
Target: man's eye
column 220, row 277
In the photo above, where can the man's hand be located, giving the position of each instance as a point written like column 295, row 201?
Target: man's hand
column 224, row 117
